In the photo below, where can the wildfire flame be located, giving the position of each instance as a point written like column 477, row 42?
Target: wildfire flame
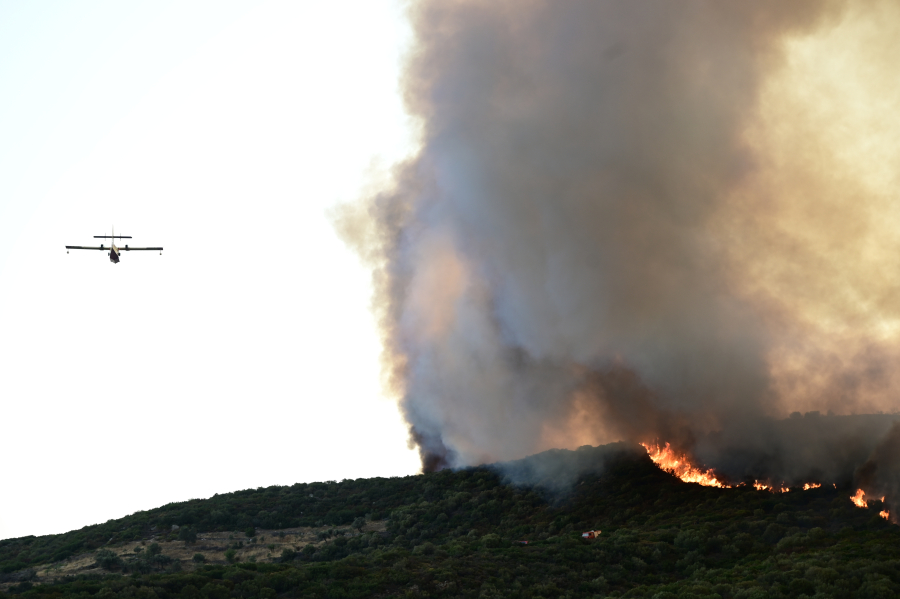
column 763, row 487
column 859, row 500
column 680, row 466
column 667, row 460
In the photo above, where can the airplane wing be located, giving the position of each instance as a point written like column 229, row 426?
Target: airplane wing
column 128, row 249
column 83, row 247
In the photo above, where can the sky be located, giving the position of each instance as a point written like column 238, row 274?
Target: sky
column 246, row 354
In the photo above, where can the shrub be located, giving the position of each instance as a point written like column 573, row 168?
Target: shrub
column 800, row 586
column 773, row 533
column 214, row 591
column 198, row 558
column 20, row 588
column 491, row 540
column 108, row 560
column 426, row 549
column 288, row 555
column 231, row 555
column 190, row 592
column 688, row 539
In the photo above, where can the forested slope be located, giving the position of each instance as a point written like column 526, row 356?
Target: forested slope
column 458, row 533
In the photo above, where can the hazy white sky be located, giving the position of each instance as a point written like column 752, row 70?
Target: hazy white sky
column 245, row 355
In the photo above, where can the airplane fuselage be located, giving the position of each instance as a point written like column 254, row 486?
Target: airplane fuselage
column 114, row 251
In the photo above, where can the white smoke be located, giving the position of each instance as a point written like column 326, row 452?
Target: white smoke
column 572, row 257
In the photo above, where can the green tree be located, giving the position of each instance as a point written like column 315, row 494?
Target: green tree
column 358, row 523
column 187, row 534
column 231, row 555
column 108, row 560
column 198, row 558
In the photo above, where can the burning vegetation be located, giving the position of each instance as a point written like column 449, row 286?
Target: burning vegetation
column 859, row 500
column 775, row 489
column 678, row 464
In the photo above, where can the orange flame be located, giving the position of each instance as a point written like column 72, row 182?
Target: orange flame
column 763, row 487
column 859, row 499
column 885, row 514
column 665, row 458
column 680, row 466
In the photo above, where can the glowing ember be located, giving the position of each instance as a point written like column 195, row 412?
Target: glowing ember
column 885, row 514
column 665, row 458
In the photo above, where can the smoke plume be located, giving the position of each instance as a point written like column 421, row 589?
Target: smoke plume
column 639, row 221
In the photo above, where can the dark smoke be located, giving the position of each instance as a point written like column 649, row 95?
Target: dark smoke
column 880, row 475
column 555, row 266
column 556, row 470
column 799, row 449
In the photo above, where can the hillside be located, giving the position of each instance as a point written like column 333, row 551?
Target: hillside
column 451, row 534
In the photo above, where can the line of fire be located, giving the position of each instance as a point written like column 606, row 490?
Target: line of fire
column 680, row 465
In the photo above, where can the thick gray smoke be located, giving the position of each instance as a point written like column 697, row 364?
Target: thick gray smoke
column 569, row 259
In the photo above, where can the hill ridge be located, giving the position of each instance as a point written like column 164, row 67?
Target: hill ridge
column 460, row 533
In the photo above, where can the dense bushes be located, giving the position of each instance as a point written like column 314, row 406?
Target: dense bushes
column 458, row 534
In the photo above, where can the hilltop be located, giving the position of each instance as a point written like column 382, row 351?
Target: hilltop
column 462, row 533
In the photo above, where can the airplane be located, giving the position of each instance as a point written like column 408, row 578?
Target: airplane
column 113, row 249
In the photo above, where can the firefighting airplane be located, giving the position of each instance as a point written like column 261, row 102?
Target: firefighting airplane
column 113, row 249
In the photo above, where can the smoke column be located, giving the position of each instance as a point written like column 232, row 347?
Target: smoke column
column 638, row 220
